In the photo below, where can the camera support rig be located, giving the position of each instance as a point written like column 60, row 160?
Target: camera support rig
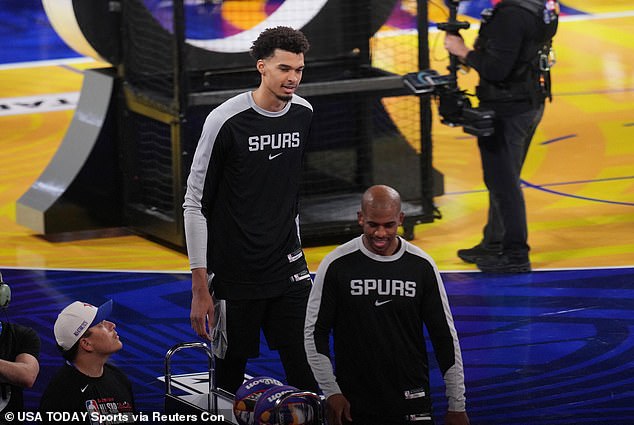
column 453, row 26
column 454, row 105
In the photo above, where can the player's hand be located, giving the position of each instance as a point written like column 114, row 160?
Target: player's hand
column 457, row 418
column 338, row 409
column 202, row 308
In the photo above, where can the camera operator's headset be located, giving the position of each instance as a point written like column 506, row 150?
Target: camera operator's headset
column 5, row 293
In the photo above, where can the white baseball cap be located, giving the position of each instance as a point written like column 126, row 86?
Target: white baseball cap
column 75, row 319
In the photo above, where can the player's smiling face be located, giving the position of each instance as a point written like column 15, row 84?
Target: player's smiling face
column 380, row 226
column 281, row 73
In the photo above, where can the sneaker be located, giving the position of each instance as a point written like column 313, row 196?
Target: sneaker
column 504, row 264
column 471, row 255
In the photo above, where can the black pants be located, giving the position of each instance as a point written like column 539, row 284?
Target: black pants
column 282, row 320
column 230, row 370
column 503, row 155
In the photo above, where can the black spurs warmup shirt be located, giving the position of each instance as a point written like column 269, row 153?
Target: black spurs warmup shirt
column 376, row 307
column 241, row 205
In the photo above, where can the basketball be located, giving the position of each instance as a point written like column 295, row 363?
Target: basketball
column 293, row 410
column 248, row 394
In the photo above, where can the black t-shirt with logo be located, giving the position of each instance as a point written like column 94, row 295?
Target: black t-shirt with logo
column 109, row 396
column 376, row 307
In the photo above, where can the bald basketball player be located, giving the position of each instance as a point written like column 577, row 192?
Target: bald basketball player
column 377, row 292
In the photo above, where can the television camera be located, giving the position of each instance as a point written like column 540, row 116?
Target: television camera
column 454, row 106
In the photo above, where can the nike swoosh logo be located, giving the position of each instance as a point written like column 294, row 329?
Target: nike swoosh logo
column 378, row 303
column 84, row 389
column 271, row 156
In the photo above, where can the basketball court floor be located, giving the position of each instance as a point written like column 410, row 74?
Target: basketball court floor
column 555, row 346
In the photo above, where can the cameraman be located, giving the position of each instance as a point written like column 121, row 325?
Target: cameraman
column 505, row 56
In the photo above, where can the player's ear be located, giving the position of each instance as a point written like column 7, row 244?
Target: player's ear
column 260, row 66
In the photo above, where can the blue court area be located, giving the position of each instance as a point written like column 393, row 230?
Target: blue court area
column 549, row 347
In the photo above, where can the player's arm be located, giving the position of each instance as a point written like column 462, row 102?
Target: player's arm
column 337, row 409
column 202, row 307
column 22, row 372
column 456, row 418
column 320, row 314
column 440, row 325
column 196, row 229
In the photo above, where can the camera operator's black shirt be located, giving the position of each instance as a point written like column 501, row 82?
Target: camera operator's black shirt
column 506, row 41
column 15, row 340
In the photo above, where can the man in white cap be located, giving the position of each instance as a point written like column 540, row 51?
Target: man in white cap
column 86, row 384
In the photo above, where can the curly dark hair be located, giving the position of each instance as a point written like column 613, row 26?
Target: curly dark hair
column 284, row 38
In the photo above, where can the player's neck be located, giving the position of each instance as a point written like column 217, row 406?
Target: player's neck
column 268, row 101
